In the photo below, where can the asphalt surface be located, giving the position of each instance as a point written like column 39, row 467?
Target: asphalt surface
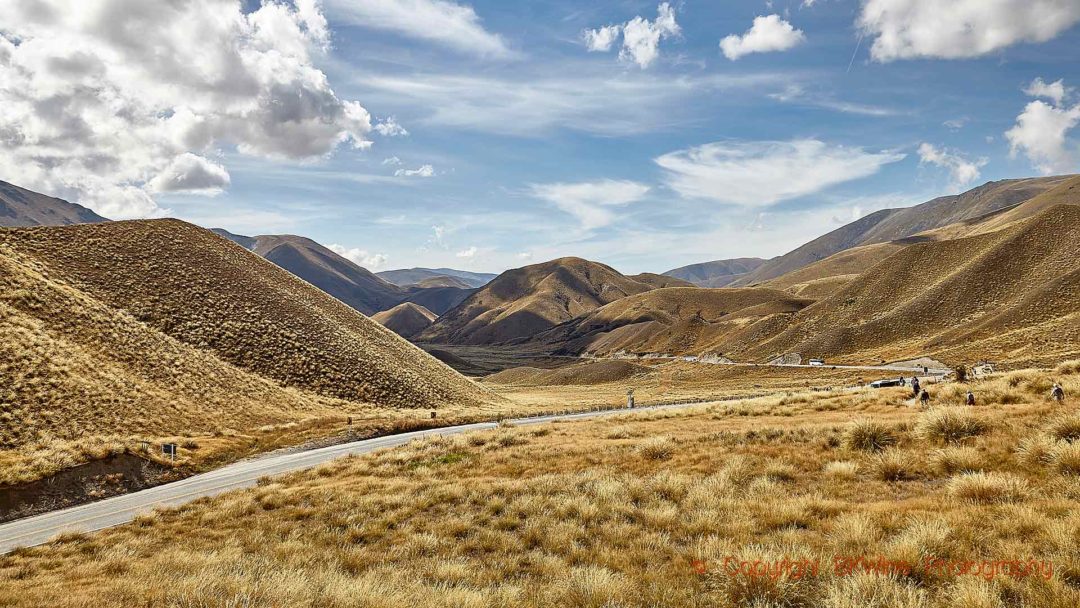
column 119, row 510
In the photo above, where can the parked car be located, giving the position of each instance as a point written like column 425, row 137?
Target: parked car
column 816, row 362
column 887, row 382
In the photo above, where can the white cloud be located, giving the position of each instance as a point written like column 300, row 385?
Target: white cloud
column 601, row 39
column 524, row 256
column 955, row 124
column 641, row 37
column 360, row 257
column 422, row 171
column 1054, row 91
column 100, row 100
column 192, row 174
column 759, row 173
column 767, row 34
column 391, row 160
column 961, row 170
column 390, row 128
column 590, row 202
column 907, row 29
column 1041, row 133
column 450, row 24
column 467, row 254
column 795, row 93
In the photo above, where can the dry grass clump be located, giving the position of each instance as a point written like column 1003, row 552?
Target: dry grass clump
column 1065, row 428
column 842, row 469
column 869, row 436
column 895, row 465
column 953, row 460
column 1066, row 458
column 1068, row 368
column 656, row 448
column 949, row 425
column 987, row 488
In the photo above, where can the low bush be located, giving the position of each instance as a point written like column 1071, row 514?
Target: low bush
column 949, row 425
column 868, row 436
column 987, row 488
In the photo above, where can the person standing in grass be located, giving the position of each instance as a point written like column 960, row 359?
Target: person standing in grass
column 1057, row 393
column 915, row 385
column 970, row 397
column 924, row 398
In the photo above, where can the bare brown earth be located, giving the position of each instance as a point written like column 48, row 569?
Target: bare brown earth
column 520, row 303
column 405, row 319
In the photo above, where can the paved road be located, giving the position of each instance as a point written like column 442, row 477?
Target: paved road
column 122, row 509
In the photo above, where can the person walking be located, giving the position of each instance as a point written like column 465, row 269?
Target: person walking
column 924, row 398
column 1057, row 393
column 915, row 385
column 970, row 397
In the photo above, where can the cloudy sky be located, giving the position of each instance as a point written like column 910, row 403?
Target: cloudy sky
column 487, row 134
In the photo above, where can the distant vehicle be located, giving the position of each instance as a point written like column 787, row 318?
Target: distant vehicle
column 817, row 362
column 887, row 382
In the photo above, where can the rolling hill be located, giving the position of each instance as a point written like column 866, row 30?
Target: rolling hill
column 675, row 320
column 414, row 276
column 719, row 273
column 522, row 302
column 894, row 224
column 352, row 284
column 22, row 207
column 1007, row 295
column 406, row 319
column 438, row 300
column 215, row 296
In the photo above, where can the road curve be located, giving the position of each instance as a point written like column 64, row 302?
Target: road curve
column 118, row 510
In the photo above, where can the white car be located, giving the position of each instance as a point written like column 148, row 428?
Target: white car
column 817, row 362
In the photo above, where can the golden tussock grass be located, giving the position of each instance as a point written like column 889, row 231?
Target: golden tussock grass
column 639, row 509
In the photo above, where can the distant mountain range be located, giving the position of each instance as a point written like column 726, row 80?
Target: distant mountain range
column 426, row 276
column 716, row 274
column 22, row 207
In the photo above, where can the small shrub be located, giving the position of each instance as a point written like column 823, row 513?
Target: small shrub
column 894, row 465
column 1035, row 450
column 1068, row 368
column 1066, row 458
column 782, row 472
column 656, row 448
column 949, row 425
column 951, row 461
column 1066, row 428
column 987, row 488
column 868, row 436
column 842, row 469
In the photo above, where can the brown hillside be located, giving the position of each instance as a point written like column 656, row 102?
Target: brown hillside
column 22, row 207
column 210, row 293
column 821, row 278
column 437, row 299
column 659, row 281
column 443, row 281
column 352, row 284
column 678, row 320
column 719, row 273
column 523, row 302
column 1009, row 295
column 894, row 224
column 405, row 319
column 586, row 373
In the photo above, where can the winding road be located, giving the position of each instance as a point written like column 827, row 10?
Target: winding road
column 118, row 510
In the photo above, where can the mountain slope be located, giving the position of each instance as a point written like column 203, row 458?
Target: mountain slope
column 674, row 320
column 522, row 302
column 893, row 224
column 22, row 207
column 352, row 284
column 405, row 319
column 716, row 274
column 438, row 300
column 413, row 276
column 658, row 281
column 1009, row 295
column 210, row 293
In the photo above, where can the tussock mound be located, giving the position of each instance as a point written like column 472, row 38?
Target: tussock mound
column 337, row 276
column 405, row 319
column 1010, row 295
column 675, row 320
column 582, row 374
column 520, row 303
column 73, row 368
column 212, row 294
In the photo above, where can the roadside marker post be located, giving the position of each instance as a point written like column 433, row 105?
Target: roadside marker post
column 169, row 449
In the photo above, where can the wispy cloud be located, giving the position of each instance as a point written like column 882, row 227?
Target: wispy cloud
column 591, row 203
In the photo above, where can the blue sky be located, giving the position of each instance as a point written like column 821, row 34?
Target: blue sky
column 523, row 144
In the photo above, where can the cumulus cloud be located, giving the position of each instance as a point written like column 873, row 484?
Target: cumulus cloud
column 961, row 170
column 360, row 257
column 767, row 34
column 390, row 128
column 590, row 202
column 1041, row 130
column 759, row 173
column 1054, row 91
column 391, row 160
column 467, row 254
column 192, row 174
column 422, row 171
column 450, row 24
column 907, row 29
column 641, row 37
column 107, row 101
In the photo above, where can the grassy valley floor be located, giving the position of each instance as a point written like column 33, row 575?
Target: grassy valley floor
column 742, row 503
